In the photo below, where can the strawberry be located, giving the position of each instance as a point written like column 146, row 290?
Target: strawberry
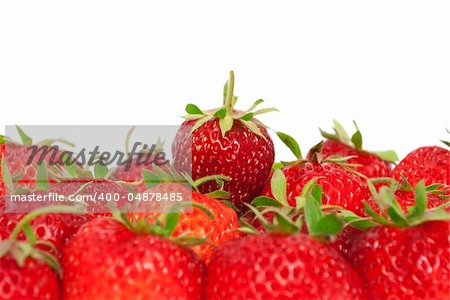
column 228, row 142
column 2, row 186
column 270, row 266
column 283, row 263
column 27, row 272
column 430, row 164
column 406, row 199
column 407, row 256
column 132, row 173
column 15, row 156
column 210, row 219
column 405, row 196
column 369, row 164
column 341, row 186
column 33, row 279
column 215, row 231
column 93, row 187
column 55, row 228
column 130, row 260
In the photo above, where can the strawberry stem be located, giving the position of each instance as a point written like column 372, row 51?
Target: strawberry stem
column 230, row 93
column 202, row 180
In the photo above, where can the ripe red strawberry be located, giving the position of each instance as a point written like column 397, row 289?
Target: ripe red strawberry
column 97, row 189
column 25, row 271
column 132, row 173
column 123, row 262
column 16, row 157
column 216, row 231
column 33, row 280
column 210, row 219
column 430, row 164
column 56, row 228
column 340, row 185
column 284, row 263
column 405, row 199
column 408, row 263
column 369, row 164
column 228, row 142
column 132, row 176
column 407, row 257
column 270, row 266
column 2, row 186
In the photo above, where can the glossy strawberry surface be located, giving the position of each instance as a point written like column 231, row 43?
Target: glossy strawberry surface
column 17, row 158
column 220, row 227
column 411, row 263
column 340, row 186
column 124, row 264
column 271, row 266
column 34, row 280
column 430, row 164
column 216, row 231
column 242, row 155
column 56, row 228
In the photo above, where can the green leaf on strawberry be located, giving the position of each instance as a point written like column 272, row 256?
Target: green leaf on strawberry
column 226, row 114
column 356, row 141
column 26, row 140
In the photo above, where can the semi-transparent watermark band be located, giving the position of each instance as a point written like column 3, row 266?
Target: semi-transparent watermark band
column 102, row 168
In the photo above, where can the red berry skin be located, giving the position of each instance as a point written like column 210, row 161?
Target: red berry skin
column 242, row 155
column 96, row 187
column 105, row 260
column 270, row 266
column 430, row 164
column 198, row 224
column 410, row 263
column 16, row 156
column 54, row 228
column 2, row 185
column 34, row 280
column 407, row 199
column 345, row 240
column 134, row 174
column 369, row 164
column 340, row 186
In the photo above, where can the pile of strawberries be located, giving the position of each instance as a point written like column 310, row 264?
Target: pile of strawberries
column 341, row 222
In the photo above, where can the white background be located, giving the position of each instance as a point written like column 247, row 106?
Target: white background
column 382, row 63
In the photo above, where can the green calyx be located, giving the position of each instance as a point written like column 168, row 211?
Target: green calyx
column 356, row 141
column 315, row 156
column 21, row 250
column 11, row 180
column 162, row 225
column 226, row 114
column 170, row 175
column 28, row 141
column 322, row 224
column 392, row 214
column 446, row 143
